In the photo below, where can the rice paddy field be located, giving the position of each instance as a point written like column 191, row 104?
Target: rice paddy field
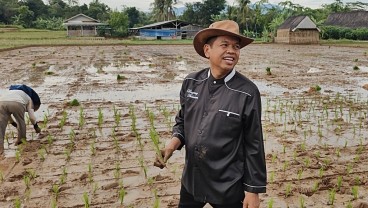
column 107, row 109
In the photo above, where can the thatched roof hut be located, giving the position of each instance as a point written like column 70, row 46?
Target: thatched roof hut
column 353, row 19
column 298, row 30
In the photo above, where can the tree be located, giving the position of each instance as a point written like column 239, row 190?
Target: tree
column 98, row 10
column 133, row 16
column 38, row 7
column 24, row 18
column 163, row 10
column 119, row 23
column 243, row 11
column 8, row 8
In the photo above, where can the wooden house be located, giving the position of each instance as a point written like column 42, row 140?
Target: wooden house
column 298, row 30
column 82, row 25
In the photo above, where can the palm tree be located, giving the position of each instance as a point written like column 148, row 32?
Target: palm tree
column 163, row 9
column 243, row 12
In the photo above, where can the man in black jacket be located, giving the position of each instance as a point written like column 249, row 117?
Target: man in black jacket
column 219, row 124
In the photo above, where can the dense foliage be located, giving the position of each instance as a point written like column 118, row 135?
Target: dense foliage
column 258, row 19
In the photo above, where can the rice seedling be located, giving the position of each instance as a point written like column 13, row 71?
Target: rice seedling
column 270, row 203
column 141, row 163
column 122, row 193
column 288, row 190
column 82, row 119
column 53, row 202
column 90, row 173
column 95, row 188
column 339, row 183
column 315, row 186
column 17, row 156
column 1, row 176
column 17, row 202
column 349, row 168
column 50, row 139
column 268, row 71
column 45, row 120
column 272, row 176
column 86, row 200
column 156, row 142
column 117, row 172
column 74, row 102
column 100, row 118
column 67, row 153
column 55, row 189
column 349, row 205
column 302, row 202
column 274, row 157
column 321, row 172
column 41, row 153
column 354, row 192
column 120, row 77
column 156, row 204
column 300, row 173
column 63, row 119
column 117, row 116
column 27, row 181
column 331, row 197
column 93, row 148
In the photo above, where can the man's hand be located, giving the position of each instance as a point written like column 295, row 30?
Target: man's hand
column 251, row 200
column 165, row 155
column 36, row 128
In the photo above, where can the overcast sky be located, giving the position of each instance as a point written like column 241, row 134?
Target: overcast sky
column 144, row 5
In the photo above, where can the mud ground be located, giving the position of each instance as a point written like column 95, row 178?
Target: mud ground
column 101, row 152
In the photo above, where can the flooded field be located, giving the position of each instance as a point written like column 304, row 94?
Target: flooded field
column 100, row 153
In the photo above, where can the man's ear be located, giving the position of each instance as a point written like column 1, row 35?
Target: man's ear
column 206, row 49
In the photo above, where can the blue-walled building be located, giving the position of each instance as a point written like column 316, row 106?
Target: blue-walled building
column 172, row 29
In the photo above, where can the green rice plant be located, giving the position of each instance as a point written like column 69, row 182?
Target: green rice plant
column 349, row 168
column 270, row 203
column 86, row 200
column 288, row 190
column 315, row 186
column 141, row 163
column 272, row 176
column 90, row 173
column 357, row 180
column 82, row 119
column 331, row 196
column 120, row 77
column 1, row 176
column 349, row 205
column 302, row 202
column 55, row 189
column 41, row 153
column 285, row 166
column 67, row 153
column 339, row 183
column 17, row 156
column 27, row 181
column 53, row 202
column 268, row 71
column 354, row 191
column 307, row 162
column 63, row 119
column 274, row 157
column 117, row 116
column 93, row 148
column 50, row 139
column 156, row 142
column 100, row 118
column 122, row 193
column 300, row 173
column 74, row 102
column 45, row 120
column 156, row 204
column 117, row 172
column 321, row 172
column 17, row 203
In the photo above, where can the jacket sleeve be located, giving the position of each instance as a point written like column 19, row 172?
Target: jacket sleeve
column 255, row 174
column 178, row 128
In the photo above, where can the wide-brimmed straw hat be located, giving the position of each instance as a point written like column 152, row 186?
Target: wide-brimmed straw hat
column 220, row 28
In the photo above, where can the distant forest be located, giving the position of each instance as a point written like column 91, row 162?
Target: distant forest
column 259, row 19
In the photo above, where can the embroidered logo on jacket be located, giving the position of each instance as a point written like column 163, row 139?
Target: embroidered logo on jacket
column 192, row 94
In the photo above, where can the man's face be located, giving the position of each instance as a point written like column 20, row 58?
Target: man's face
column 223, row 53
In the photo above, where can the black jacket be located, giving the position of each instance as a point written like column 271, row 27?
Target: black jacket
column 220, row 125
